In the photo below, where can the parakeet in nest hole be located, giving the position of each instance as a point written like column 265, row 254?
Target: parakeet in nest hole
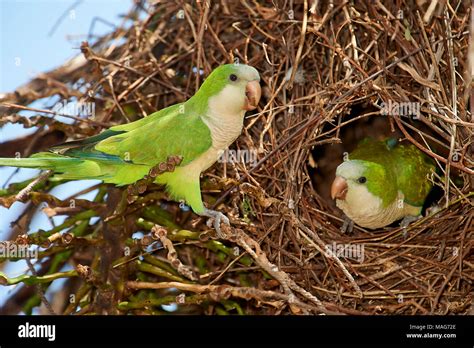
column 382, row 182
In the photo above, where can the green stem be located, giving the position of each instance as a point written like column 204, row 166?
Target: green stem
column 150, row 302
column 41, row 236
column 163, row 265
column 18, row 186
column 146, row 267
column 32, row 280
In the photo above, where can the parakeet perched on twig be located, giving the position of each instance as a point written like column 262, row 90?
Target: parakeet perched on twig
column 382, row 182
column 197, row 130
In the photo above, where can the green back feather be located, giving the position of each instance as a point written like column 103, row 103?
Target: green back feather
column 406, row 167
column 178, row 134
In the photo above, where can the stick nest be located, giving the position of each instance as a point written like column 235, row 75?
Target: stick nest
column 326, row 69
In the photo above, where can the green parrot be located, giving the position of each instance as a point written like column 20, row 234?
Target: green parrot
column 198, row 130
column 382, row 182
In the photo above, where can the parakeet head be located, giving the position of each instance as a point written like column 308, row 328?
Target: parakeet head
column 232, row 89
column 361, row 182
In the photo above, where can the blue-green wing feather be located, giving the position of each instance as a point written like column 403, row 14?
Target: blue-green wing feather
column 125, row 153
column 178, row 134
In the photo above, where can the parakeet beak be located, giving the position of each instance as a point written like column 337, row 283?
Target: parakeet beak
column 339, row 188
column 253, row 92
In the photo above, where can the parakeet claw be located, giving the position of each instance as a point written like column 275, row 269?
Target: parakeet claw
column 347, row 226
column 406, row 221
column 217, row 216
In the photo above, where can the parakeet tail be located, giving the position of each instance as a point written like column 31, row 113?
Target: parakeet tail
column 73, row 167
column 41, row 161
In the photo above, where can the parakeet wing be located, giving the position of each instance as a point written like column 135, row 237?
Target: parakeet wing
column 90, row 142
column 413, row 168
column 148, row 141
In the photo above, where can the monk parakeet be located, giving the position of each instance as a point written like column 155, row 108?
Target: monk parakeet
column 198, row 130
column 382, row 182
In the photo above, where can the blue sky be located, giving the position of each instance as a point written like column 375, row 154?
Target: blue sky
column 27, row 48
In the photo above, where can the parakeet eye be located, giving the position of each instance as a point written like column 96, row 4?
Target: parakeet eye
column 233, row 77
column 362, row 180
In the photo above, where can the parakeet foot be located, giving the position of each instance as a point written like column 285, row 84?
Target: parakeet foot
column 347, row 226
column 217, row 216
column 407, row 220
column 433, row 210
